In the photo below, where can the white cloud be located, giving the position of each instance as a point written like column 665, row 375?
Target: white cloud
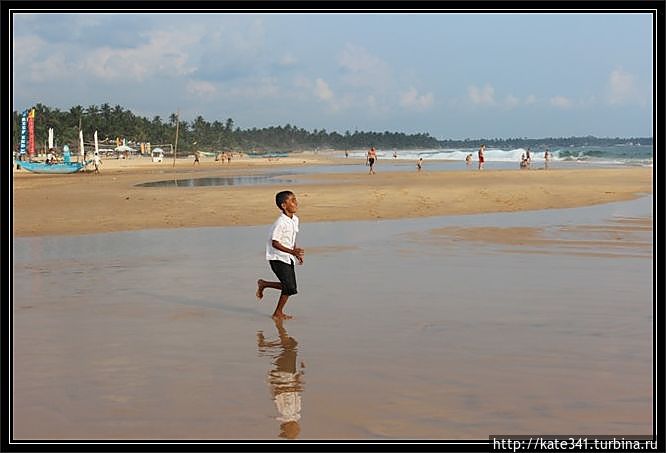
column 622, row 87
column 200, row 88
column 412, row 100
column 511, row 101
column 531, row 99
column 362, row 69
column 255, row 88
column 561, row 102
column 163, row 54
column 288, row 60
column 322, row 90
column 34, row 59
column 27, row 49
column 482, row 96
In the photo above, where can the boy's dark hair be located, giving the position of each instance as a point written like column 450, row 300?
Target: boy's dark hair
column 281, row 197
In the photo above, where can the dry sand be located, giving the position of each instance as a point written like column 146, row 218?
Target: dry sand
column 89, row 203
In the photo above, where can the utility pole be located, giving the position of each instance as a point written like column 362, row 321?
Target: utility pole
column 176, row 148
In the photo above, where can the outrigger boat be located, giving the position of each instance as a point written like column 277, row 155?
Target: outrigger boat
column 67, row 166
column 41, row 167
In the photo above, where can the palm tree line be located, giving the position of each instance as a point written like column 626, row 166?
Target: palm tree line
column 116, row 122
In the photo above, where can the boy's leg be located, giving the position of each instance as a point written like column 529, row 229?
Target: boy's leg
column 282, row 301
column 262, row 284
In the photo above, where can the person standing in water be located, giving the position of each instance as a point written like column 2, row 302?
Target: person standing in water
column 372, row 158
column 482, row 158
column 546, row 158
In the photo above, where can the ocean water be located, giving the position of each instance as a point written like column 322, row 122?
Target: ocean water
column 623, row 155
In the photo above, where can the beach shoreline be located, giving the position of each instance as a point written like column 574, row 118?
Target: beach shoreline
column 88, row 203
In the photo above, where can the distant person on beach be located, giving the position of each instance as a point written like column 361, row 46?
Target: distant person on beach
column 482, row 158
column 546, row 158
column 395, row 155
column 281, row 251
column 468, row 159
column 196, row 158
column 419, row 164
column 97, row 162
column 372, row 158
column 52, row 156
column 528, row 157
column 523, row 161
column 346, row 153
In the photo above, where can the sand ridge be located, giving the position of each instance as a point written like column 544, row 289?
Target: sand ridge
column 88, row 203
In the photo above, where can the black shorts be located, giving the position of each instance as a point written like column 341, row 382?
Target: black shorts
column 286, row 274
column 372, row 161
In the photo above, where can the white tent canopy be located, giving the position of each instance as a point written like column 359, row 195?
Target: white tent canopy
column 123, row 148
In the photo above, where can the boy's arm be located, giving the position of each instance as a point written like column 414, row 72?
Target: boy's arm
column 296, row 251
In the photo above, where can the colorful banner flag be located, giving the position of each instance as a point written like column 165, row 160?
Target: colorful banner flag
column 31, row 133
column 24, row 132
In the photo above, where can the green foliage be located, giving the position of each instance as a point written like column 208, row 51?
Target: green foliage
column 111, row 122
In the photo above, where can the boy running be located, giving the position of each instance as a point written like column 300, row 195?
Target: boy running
column 280, row 252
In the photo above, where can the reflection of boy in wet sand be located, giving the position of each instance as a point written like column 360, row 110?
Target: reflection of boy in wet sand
column 284, row 379
column 281, row 250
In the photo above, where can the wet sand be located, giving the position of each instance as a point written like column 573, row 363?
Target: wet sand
column 432, row 328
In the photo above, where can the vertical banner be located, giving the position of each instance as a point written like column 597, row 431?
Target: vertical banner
column 81, row 147
column 96, row 144
column 24, row 132
column 50, row 137
column 31, row 133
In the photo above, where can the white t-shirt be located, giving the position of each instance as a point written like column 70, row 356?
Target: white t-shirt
column 284, row 231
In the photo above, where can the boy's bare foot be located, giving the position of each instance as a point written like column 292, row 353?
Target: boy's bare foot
column 260, row 289
column 282, row 316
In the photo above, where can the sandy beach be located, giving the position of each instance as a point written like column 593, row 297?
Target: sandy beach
column 111, row 201
column 441, row 305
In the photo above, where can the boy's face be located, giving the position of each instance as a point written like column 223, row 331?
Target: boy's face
column 290, row 205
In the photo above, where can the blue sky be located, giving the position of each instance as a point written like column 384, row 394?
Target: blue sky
column 452, row 75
